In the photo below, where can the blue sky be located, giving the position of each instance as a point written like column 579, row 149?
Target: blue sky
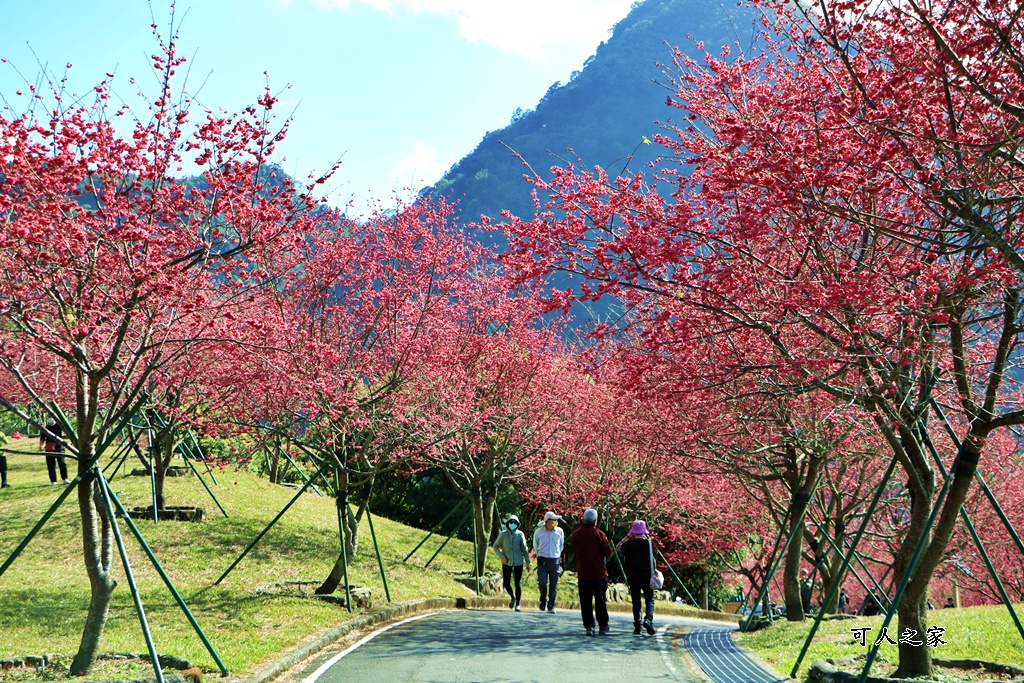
column 399, row 89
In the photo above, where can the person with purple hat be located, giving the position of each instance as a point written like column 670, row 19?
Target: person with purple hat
column 548, row 543
column 638, row 551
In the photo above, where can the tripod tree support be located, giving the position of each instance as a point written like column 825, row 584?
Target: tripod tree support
column 911, row 566
column 969, row 523
column 376, row 549
column 454, row 531
column 434, row 530
column 676, row 577
column 274, row 521
column 342, row 505
column 143, row 622
column 166, row 579
column 778, row 560
column 847, row 559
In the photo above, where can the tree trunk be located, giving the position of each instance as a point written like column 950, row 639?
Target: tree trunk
column 351, row 527
column 794, row 554
column 915, row 660
column 97, row 546
column 483, row 514
column 162, row 462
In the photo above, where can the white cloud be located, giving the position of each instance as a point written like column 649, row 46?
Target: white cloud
column 419, row 167
column 527, row 27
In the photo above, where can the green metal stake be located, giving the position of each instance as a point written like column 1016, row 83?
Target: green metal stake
column 878, row 586
column 300, row 471
column 615, row 551
column 153, row 657
column 46, row 516
column 205, row 484
column 771, row 562
column 969, row 523
column 984, row 486
column 269, row 526
column 343, row 503
column 905, row 579
column 436, row 527
column 376, row 549
column 66, row 425
column 120, row 457
column 317, row 460
column 676, row 576
column 202, row 456
column 167, row 579
column 476, row 554
column 775, row 566
column 448, row 538
column 847, row 559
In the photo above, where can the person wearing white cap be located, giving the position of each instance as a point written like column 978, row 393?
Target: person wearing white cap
column 638, row 551
column 548, row 542
column 510, row 546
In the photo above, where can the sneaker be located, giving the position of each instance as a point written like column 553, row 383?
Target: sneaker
column 66, row 481
column 649, row 626
column 512, row 603
column 53, row 483
column 518, row 609
column 591, row 632
column 603, row 630
column 5, row 485
column 551, row 610
column 636, row 629
column 542, row 607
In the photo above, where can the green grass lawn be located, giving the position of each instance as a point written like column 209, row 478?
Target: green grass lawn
column 986, row 633
column 44, row 595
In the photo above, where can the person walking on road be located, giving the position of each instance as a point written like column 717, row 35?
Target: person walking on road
column 592, row 551
column 638, row 551
column 548, row 542
column 510, row 546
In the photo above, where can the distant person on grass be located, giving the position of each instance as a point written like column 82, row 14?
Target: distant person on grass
column 592, row 552
column 638, row 551
column 510, row 546
column 548, row 542
column 49, row 441
column 806, row 590
column 3, row 464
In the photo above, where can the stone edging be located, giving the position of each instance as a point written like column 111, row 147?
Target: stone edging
column 820, row 671
column 309, row 648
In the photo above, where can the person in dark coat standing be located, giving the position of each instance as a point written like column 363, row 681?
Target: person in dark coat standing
column 3, row 464
column 592, row 551
column 49, row 441
column 637, row 550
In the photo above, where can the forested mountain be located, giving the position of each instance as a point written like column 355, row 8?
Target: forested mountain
column 602, row 114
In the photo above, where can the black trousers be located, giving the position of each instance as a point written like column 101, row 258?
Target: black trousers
column 3, row 470
column 592, row 599
column 508, row 572
column 52, row 462
column 635, row 589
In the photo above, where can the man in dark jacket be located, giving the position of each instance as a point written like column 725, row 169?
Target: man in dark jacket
column 592, row 551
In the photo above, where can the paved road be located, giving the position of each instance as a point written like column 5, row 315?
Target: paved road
column 488, row 646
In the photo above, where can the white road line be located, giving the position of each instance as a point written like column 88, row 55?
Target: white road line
column 336, row 658
column 665, row 653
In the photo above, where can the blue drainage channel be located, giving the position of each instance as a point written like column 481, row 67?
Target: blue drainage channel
column 716, row 653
